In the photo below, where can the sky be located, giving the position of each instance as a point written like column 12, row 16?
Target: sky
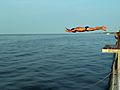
column 52, row 16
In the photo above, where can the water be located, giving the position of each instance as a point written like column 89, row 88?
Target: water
column 54, row 62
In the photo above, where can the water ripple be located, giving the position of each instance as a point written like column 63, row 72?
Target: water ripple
column 53, row 62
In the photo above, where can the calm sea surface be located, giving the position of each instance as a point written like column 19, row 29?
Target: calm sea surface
column 54, row 62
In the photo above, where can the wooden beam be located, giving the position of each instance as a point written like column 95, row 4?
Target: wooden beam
column 110, row 50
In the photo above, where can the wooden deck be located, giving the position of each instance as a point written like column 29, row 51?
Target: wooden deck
column 114, row 81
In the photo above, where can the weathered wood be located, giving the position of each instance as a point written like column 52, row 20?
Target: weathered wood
column 114, row 82
column 110, row 50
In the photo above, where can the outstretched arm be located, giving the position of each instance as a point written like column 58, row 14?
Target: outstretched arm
column 97, row 28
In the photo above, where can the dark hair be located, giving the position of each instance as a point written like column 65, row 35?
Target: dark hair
column 86, row 26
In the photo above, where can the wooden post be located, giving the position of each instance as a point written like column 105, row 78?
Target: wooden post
column 118, row 70
column 118, row 61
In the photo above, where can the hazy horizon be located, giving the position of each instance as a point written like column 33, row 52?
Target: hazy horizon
column 52, row 16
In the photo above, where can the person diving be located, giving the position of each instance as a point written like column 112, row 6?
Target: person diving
column 86, row 28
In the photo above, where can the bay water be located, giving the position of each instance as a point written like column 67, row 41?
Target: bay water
column 54, row 61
